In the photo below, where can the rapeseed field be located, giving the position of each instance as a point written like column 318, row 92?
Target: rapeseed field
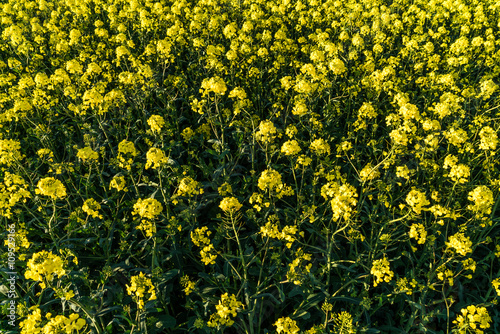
column 249, row 166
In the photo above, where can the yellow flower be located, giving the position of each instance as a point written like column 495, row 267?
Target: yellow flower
column 290, row 147
column 51, row 187
column 460, row 243
column 91, row 207
column 148, row 208
column 187, row 284
column 269, row 180
column 140, row 287
column 155, row 158
column 43, row 266
column 471, row 319
column 418, row 232
column 267, row 132
column 483, row 200
column 343, row 323
column 119, row 183
column 369, row 173
column 286, row 325
column 126, row 153
column 225, row 189
column 300, row 108
column 87, row 153
column 189, row 187
column 156, row 122
column 187, row 134
column 489, row 138
column 417, row 200
column 496, row 285
column 10, row 151
column 215, row 84
column 381, row 271
column 230, row 205
column 403, row 172
column 45, row 153
column 320, row 146
column 228, row 307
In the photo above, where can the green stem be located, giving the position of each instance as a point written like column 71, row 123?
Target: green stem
column 245, row 276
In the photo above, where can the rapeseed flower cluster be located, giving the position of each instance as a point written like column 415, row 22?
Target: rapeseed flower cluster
column 87, row 154
column 51, row 187
column 405, row 90
column 126, row 154
column 482, row 199
column 140, row 288
column 118, row 183
column 342, row 199
column 156, row 123
column 189, row 187
column 271, row 230
column 148, row 209
column 58, row 324
column 460, row 244
column 418, row 232
column 298, row 270
column 12, row 191
column 230, row 205
column 382, row 271
column 10, row 152
column 227, row 308
column 267, row 132
column 473, row 319
column 417, row 200
column 286, row 325
column 43, row 266
column 155, row 158
column 199, row 237
column 187, row 284
column 92, row 207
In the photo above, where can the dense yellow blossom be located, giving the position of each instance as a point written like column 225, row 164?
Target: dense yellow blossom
column 496, row 285
column 12, row 191
column 290, row 147
column 418, row 232
column 382, row 271
column 155, row 158
column 417, row 200
column 472, row 320
column 87, row 153
column 118, row 183
column 43, row 266
column 230, row 205
column 489, row 138
column 156, row 123
column 91, row 207
column 460, row 243
column 126, row 154
column 10, row 151
column 58, row 324
column 482, row 199
column 286, row 325
column 148, row 208
column 369, row 173
column 227, row 309
column 320, row 146
column 189, row 187
column 140, row 288
column 49, row 186
column 267, row 132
